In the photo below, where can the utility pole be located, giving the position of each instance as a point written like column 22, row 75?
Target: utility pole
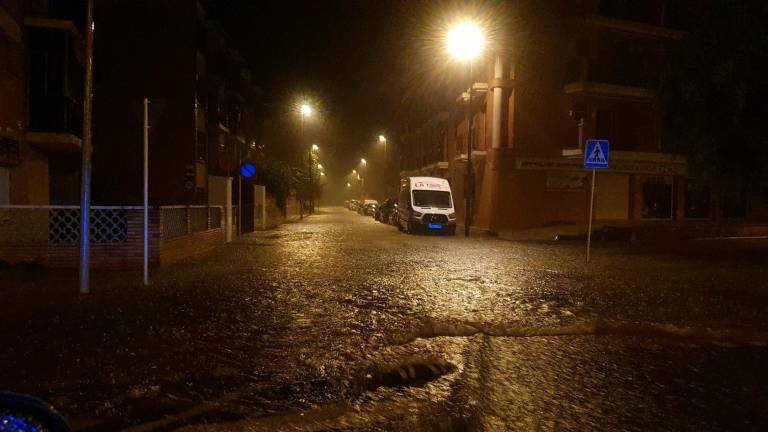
column 85, row 182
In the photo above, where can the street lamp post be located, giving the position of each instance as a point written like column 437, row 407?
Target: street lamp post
column 312, row 149
column 363, row 164
column 465, row 42
column 305, row 110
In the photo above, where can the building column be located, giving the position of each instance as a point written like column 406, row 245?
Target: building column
column 499, row 158
column 228, row 210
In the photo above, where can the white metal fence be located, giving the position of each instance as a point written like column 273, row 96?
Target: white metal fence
column 179, row 221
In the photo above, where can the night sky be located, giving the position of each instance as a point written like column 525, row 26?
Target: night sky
column 344, row 54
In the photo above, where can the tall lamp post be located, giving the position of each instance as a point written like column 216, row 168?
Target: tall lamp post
column 363, row 164
column 312, row 149
column 305, row 110
column 465, row 42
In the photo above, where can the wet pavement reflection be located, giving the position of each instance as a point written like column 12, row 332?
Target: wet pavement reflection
column 343, row 323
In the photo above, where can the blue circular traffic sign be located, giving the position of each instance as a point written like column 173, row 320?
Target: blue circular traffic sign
column 247, row 170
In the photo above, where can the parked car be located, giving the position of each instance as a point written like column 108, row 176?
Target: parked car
column 353, row 204
column 385, row 209
column 393, row 219
column 425, row 204
column 368, row 207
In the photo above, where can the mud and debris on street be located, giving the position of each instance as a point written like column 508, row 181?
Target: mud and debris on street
column 383, row 215
column 343, row 323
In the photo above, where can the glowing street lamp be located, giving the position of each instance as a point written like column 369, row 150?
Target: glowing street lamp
column 354, row 171
column 363, row 161
column 319, row 166
column 315, row 147
column 322, row 174
column 349, row 185
column 305, row 109
column 465, row 42
column 382, row 139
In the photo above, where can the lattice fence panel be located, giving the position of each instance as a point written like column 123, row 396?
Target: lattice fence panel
column 174, row 222
column 107, row 226
column 198, row 219
column 215, row 217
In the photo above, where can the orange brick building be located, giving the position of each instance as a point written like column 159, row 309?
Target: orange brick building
column 576, row 70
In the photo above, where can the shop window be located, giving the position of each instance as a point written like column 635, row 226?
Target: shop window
column 657, row 198
column 698, row 201
column 734, row 204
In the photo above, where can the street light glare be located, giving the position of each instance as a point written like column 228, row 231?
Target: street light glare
column 315, row 147
column 322, row 173
column 465, row 41
column 320, row 166
column 349, row 185
column 363, row 161
column 382, row 139
column 354, row 171
column 305, row 109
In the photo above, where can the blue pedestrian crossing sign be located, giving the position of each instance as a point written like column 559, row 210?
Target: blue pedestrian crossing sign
column 596, row 154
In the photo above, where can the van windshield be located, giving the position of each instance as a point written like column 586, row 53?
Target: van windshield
column 431, row 198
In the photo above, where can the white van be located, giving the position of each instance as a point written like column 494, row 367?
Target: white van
column 425, row 204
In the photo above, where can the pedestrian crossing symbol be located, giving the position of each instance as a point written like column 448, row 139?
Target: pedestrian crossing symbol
column 596, row 154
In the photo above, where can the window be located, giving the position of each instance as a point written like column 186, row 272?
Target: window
column 431, row 198
column 657, row 198
column 698, row 201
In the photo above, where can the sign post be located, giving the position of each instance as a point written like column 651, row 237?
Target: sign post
column 596, row 156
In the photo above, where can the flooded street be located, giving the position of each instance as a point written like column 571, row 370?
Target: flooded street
column 343, row 323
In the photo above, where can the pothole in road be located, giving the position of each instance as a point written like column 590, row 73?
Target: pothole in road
column 409, row 374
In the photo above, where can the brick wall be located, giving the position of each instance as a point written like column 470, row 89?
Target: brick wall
column 189, row 246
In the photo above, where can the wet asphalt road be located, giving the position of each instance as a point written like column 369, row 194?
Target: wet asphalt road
column 343, row 323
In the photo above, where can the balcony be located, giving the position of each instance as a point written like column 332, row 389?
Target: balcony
column 617, row 91
column 633, row 27
column 55, row 82
column 627, row 77
column 55, row 122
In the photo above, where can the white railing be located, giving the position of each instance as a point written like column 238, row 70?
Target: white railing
column 178, row 220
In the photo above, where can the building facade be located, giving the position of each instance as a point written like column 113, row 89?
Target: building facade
column 578, row 70
column 201, row 96
column 41, row 75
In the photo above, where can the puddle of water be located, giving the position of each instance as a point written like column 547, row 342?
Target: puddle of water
column 410, row 374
